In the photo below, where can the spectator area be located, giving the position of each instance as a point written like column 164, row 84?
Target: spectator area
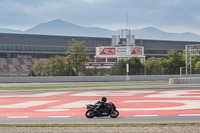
column 16, row 66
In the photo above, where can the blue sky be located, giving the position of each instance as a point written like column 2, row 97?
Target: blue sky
column 168, row 15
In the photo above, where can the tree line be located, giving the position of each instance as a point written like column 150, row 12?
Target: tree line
column 73, row 64
column 155, row 66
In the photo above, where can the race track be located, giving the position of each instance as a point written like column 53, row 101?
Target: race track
column 136, row 104
column 130, row 103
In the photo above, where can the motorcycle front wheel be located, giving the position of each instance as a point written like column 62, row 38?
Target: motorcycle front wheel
column 89, row 114
column 114, row 114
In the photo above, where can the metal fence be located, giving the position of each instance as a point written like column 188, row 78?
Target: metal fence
column 133, row 71
column 194, row 70
column 109, row 72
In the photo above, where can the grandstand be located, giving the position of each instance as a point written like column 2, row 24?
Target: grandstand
column 18, row 52
column 16, row 66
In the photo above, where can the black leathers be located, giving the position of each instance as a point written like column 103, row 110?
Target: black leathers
column 100, row 104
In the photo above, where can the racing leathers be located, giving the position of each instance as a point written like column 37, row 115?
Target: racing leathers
column 100, row 104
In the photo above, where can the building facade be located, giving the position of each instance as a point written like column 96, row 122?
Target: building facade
column 45, row 46
column 18, row 52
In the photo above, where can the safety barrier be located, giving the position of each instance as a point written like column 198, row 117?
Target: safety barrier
column 186, row 80
column 85, row 78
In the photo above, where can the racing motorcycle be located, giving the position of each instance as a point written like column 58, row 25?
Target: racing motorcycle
column 108, row 110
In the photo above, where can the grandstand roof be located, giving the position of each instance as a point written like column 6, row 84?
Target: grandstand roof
column 50, row 40
column 29, row 39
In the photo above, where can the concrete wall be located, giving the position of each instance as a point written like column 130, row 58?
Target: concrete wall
column 86, row 78
column 186, row 80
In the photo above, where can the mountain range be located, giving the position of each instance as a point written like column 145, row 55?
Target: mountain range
column 63, row 28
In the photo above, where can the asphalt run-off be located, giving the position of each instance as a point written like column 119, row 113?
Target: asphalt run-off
column 130, row 103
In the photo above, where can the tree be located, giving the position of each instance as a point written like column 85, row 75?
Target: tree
column 77, row 56
column 156, row 65
column 164, row 66
column 152, row 66
column 119, row 68
column 135, row 67
column 58, row 66
column 40, row 67
column 175, row 61
column 197, row 67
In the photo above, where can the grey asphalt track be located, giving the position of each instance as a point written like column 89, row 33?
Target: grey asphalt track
column 104, row 120
column 82, row 83
column 163, row 84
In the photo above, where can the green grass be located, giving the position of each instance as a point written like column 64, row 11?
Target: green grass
column 99, row 125
column 57, row 87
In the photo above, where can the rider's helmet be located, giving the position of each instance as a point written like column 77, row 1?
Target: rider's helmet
column 103, row 99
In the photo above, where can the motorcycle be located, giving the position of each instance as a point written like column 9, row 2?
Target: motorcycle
column 108, row 110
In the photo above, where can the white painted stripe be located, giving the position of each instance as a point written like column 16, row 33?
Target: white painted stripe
column 38, row 95
column 26, row 104
column 145, row 115
column 189, row 115
column 18, row 117
column 111, row 93
column 78, row 104
column 51, row 110
column 176, row 94
column 185, row 104
column 58, row 116
column 48, row 94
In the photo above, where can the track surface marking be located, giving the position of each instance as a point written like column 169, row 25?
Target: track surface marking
column 163, row 102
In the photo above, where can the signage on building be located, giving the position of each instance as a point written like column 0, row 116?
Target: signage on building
column 119, row 51
column 106, row 51
column 99, row 64
column 136, row 50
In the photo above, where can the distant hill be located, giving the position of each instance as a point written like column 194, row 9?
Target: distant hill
column 60, row 27
column 154, row 33
column 3, row 30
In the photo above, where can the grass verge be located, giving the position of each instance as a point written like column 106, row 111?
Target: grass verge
column 99, row 125
column 58, row 87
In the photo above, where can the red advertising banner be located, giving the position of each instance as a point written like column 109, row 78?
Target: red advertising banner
column 107, row 51
column 136, row 51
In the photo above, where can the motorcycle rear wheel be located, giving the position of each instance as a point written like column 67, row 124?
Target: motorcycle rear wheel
column 114, row 114
column 89, row 114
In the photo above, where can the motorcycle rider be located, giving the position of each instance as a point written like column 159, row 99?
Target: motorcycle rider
column 100, row 104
